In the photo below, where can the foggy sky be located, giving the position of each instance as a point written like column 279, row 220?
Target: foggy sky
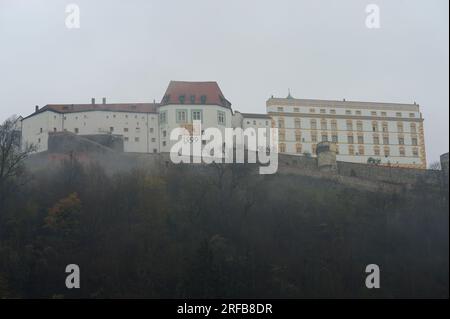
column 128, row 51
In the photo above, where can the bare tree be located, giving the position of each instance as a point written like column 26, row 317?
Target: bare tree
column 12, row 154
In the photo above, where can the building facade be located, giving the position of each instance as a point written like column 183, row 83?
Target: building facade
column 385, row 133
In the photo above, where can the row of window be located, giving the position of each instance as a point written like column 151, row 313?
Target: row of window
column 182, row 117
column 347, row 112
column 349, row 125
column 350, row 139
column 352, row 151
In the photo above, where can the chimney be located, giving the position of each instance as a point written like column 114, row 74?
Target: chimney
column 104, row 100
column 93, row 101
column 36, row 108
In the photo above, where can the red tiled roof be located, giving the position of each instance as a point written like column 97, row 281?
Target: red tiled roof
column 116, row 107
column 179, row 92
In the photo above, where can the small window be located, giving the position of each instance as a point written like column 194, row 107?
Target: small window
column 386, row 140
column 398, row 114
column 373, row 113
column 348, row 112
column 376, row 140
column 323, row 111
column 401, row 141
column 412, row 115
column 358, row 112
column 181, row 116
column 296, row 109
column 334, row 138
column 126, row 138
column 181, row 98
column 415, row 152
column 111, row 129
column 221, row 117
column 314, row 138
column 125, row 129
column 383, row 114
column 203, row 99
column 153, row 140
column 136, row 139
column 414, row 141
column 164, row 133
column 350, row 139
column 76, row 130
column 151, row 129
column 360, row 139
column 196, row 115
column 332, row 111
column 192, row 99
column 279, row 109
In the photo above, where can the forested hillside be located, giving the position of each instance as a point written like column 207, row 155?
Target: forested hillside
column 216, row 233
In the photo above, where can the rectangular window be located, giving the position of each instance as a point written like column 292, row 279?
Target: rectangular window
column 296, row 109
column 221, row 117
column 415, row 152
column 125, row 129
column 324, row 138
column 386, row 140
column 334, row 138
column 314, row 138
column 111, row 129
column 414, row 141
column 136, row 139
column 350, row 139
column 163, row 117
column 76, row 130
column 349, row 126
column 376, row 151
column 401, row 141
column 348, row 112
column 297, row 123
column 313, row 124
column 279, row 109
column 398, row 114
column 376, row 140
column 196, row 115
column 360, row 139
column 181, row 116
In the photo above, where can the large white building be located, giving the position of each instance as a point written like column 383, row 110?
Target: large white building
column 390, row 133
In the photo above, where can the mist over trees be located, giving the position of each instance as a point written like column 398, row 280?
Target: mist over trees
column 217, row 232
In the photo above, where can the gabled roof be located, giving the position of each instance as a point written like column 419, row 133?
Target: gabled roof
column 116, row 107
column 181, row 92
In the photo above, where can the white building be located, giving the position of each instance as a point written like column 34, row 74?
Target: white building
column 388, row 132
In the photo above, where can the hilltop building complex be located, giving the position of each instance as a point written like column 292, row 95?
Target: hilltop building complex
column 388, row 133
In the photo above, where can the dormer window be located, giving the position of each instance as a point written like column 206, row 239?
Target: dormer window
column 203, row 99
column 181, row 98
column 192, row 99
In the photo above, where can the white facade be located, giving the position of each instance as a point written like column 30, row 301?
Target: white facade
column 387, row 132
column 139, row 130
column 390, row 133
